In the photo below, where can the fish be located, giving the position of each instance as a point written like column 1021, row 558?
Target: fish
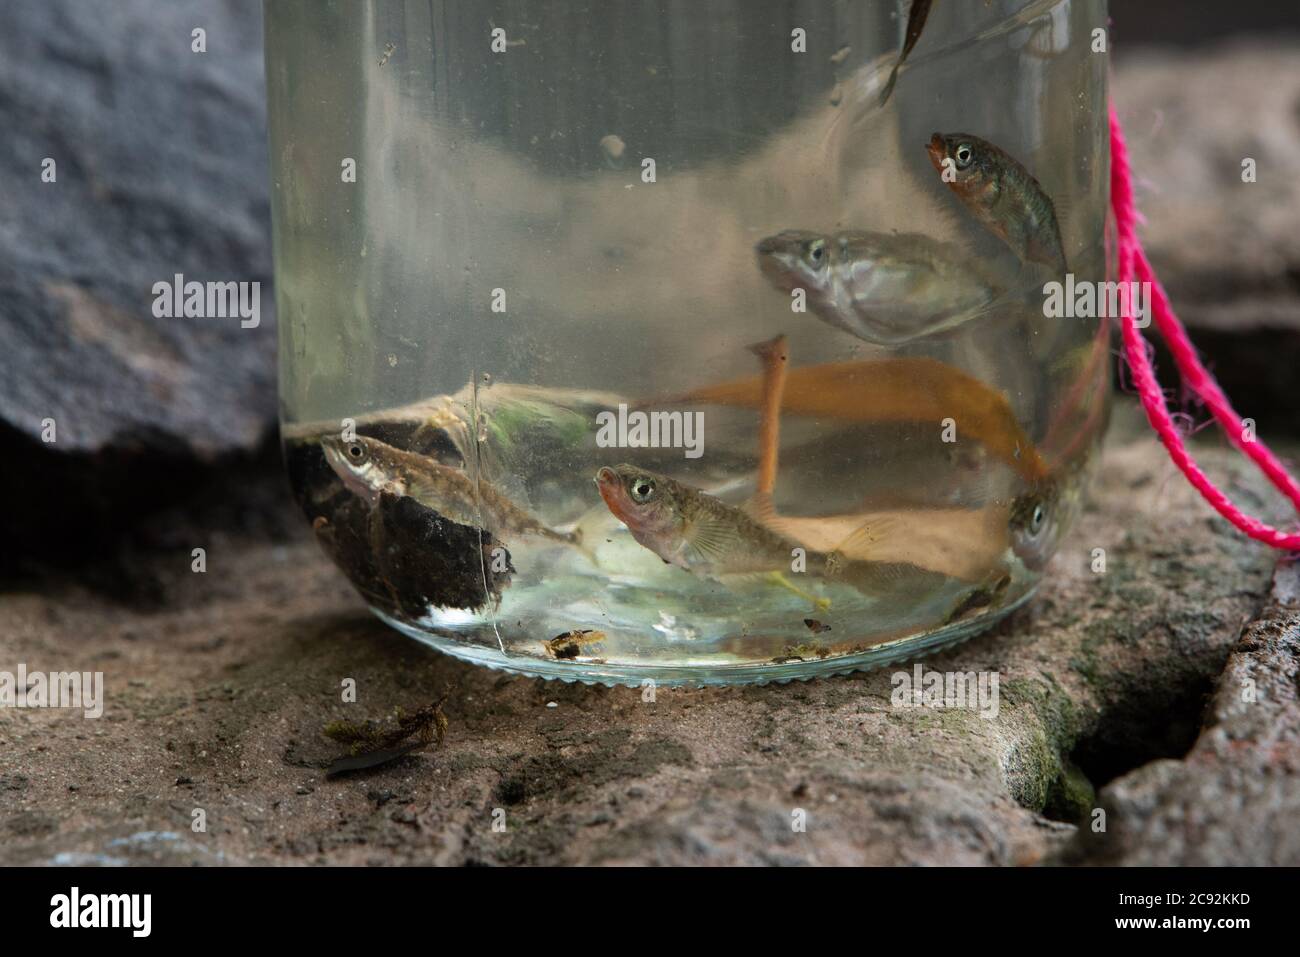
column 882, row 288
column 900, row 389
column 1035, row 524
column 1001, row 194
column 695, row 531
column 370, row 468
column 916, row 17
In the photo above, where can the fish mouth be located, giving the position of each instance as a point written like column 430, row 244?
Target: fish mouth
column 608, row 485
column 937, row 150
column 332, row 446
column 776, row 261
column 776, row 271
column 611, row 490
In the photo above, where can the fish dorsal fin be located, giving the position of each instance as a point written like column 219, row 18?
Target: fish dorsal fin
column 853, row 554
column 862, row 542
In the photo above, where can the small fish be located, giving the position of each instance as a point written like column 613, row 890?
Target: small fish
column 902, row 389
column 1034, row 523
column 916, row 16
column 880, row 287
column 691, row 529
column 1001, row 194
column 369, row 468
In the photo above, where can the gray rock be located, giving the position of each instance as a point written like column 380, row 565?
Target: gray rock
column 1235, row 798
column 161, row 169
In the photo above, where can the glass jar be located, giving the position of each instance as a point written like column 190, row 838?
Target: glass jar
column 632, row 340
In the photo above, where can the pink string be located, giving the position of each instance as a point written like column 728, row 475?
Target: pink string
column 1133, row 261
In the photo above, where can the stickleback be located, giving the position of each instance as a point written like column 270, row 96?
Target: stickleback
column 369, row 468
column 1001, row 194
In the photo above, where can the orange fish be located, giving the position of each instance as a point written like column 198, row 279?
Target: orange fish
column 913, row 389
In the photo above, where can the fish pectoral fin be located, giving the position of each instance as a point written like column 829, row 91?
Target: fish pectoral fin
column 424, row 492
column 574, row 539
column 710, row 542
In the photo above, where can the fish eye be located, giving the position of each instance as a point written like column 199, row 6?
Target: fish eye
column 964, row 155
column 356, row 452
column 817, row 252
column 642, row 489
column 1037, row 519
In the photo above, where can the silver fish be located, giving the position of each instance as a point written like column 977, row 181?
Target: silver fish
column 369, row 468
column 883, row 288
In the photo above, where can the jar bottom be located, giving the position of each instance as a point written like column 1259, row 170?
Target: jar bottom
column 894, row 651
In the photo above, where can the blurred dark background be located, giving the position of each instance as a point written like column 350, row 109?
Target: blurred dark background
column 1195, row 22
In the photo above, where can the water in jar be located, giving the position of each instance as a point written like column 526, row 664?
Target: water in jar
column 627, row 340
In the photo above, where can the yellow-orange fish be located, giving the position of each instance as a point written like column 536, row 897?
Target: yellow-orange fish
column 912, row 389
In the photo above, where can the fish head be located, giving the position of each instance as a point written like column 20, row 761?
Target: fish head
column 643, row 501
column 1035, row 522
column 965, row 161
column 796, row 259
column 356, row 462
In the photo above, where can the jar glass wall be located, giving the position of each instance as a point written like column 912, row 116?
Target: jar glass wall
column 628, row 339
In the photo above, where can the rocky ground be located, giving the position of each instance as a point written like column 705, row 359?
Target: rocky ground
column 1147, row 713
column 219, row 685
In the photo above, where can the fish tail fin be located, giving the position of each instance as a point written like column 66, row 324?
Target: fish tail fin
column 580, row 544
column 590, row 528
column 573, row 539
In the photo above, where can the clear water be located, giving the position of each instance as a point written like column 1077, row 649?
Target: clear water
column 501, row 272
